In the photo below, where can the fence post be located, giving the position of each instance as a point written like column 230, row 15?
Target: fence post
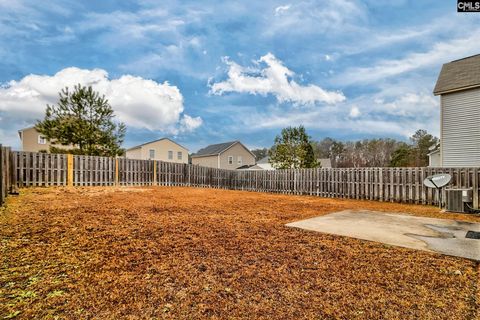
column 475, row 186
column 2, row 172
column 116, row 171
column 70, row 170
column 12, row 181
column 154, row 172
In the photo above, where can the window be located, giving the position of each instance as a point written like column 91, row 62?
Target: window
column 170, row 155
column 239, row 160
column 42, row 140
column 179, row 155
column 151, row 153
column 230, row 160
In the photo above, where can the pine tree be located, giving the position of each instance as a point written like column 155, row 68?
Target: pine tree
column 402, row 156
column 422, row 141
column 85, row 120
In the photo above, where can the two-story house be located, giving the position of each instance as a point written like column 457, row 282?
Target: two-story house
column 34, row 141
column 227, row 155
column 458, row 86
column 163, row 149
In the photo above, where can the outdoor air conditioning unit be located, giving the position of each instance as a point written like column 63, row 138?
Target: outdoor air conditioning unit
column 457, row 199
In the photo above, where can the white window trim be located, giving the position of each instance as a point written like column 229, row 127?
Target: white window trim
column 230, row 159
column 179, row 155
column 39, row 139
column 170, row 152
column 239, row 160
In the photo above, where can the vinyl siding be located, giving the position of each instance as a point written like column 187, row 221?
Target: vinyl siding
column 161, row 151
column 434, row 159
column 236, row 151
column 134, row 153
column 208, row 161
column 30, row 142
column 460, row 130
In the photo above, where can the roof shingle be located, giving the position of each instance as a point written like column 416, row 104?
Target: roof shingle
column 214, row 149
column 459, row 74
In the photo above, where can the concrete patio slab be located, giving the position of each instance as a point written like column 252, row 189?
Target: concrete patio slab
column 436, row 235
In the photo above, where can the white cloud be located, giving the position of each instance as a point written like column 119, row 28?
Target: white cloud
column 138, row 102
column 173, row 56
column 310, row 17
column 354, row 112
column 339, row 122
column 438, row 54
column 281, row 9
column 188, row 123
column 331, row 121
column 126, row 27
column 274, row 79
column 411, row 105
column 384, row 114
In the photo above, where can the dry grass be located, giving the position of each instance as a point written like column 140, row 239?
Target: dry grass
column 186, row 253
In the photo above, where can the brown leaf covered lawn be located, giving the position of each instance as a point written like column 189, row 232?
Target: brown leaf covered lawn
column 187, row 253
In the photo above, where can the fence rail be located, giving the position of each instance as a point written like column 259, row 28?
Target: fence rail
column 383, row 184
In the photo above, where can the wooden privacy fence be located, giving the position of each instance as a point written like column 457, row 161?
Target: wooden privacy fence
column 43, row 169
column 6, row 173
column 383, row 184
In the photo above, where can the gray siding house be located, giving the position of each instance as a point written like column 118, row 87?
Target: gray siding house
column 458, row 86
column 229, row 155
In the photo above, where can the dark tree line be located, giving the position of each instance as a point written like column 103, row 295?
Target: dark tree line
column 381, row 152
column 362, row 153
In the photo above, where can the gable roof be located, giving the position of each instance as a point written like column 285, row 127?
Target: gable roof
column 264, row 160
column 24, row 129
column 459, row 75
column 27, row 128
column 143, row 144
column 250, row 167
column 216, row 149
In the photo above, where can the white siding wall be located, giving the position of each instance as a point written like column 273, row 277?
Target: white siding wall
column 460, row 131
column 434, row 159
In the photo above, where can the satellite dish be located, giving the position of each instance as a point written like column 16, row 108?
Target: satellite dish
column 437, row 180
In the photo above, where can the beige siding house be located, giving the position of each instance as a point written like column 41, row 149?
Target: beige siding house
column 33, row 141
column 228, row 155
column 458, row 86
column 162, row 149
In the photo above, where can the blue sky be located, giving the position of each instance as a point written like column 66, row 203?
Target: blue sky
column 203, row 72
